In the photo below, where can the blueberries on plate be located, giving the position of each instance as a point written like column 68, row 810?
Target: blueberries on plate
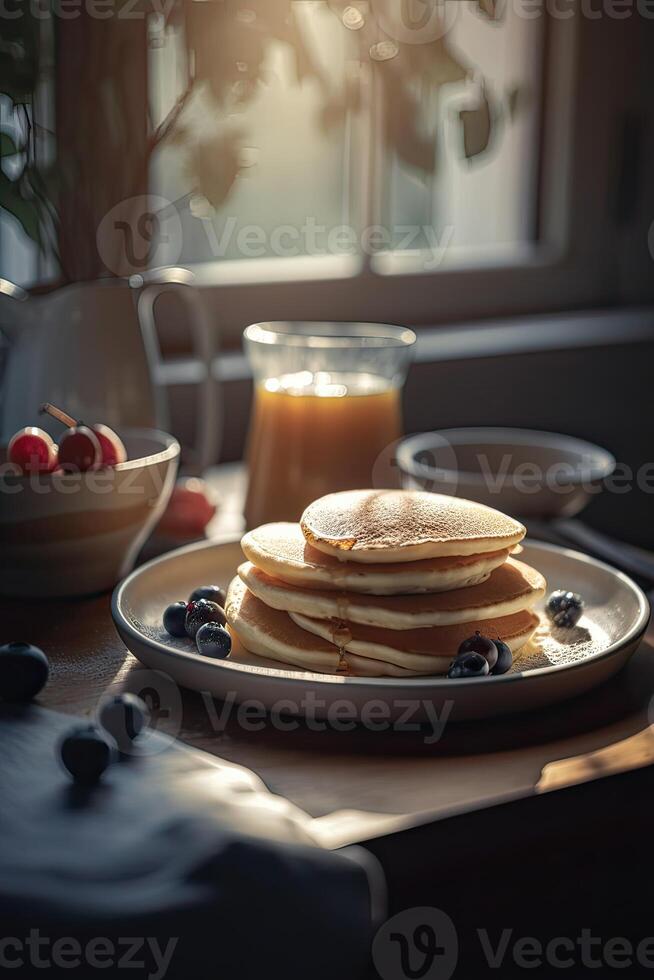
column 482, row 645
column 469, row 664
column 124, row 716
column 565, row 608
column 174, row 619
column 213, row 640
column 212, row 592
column 205, row 605
column 86, row 752
column 200, row 612
column 23, row 671
column 504, row 658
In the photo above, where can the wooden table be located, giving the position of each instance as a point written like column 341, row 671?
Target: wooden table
column 537, row 822
column 359, row 784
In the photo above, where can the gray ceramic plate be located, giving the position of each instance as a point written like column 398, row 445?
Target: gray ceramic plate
column 558, row 664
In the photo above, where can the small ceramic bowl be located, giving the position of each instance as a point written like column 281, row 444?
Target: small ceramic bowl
column 523, row 472
column 79, row 533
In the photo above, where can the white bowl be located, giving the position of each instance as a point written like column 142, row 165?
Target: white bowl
column 523, row 472
column 79, row 533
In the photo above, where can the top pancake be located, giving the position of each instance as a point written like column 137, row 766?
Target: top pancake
column 384, row 526
column 282, row 551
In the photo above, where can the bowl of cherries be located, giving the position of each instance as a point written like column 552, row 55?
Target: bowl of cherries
column 76, row 508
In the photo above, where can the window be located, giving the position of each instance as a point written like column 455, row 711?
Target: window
column 27, row 149
column 464, row 219
column 391, row 151
column 19, row 254
column 423, row 161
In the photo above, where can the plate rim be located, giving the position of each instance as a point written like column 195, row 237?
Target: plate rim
column 123, row 624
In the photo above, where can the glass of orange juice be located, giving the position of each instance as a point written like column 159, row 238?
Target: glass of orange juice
column 327, row 403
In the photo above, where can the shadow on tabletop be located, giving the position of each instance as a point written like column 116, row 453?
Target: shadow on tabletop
column 623, row 700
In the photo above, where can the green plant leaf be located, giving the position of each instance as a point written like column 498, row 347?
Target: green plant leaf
column 7, row 145
column 18, row 69
column 24, row 210
column 477, row 126
column 492, row 9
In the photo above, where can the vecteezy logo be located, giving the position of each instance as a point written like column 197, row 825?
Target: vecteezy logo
column 416, row 944
column 164, row 702
column 139, row 233
column 416, row 21
column 148, row 231
column 433, row 466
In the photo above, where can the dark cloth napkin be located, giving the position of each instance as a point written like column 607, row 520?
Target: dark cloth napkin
column 175, row 861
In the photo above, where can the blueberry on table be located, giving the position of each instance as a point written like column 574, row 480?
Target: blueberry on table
column 124, row 716
column 213, row 640
column 469, row 665
column 482, row 645
column 86, row 752
column 565, row 608
column 212, row 592
column 201, row 612
column 23, row 671
column 504, row 658
column 174, row 619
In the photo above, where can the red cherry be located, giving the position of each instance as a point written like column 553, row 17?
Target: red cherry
column 79, row 450
column 111, row 445
column 81, row 455
column 33, row 450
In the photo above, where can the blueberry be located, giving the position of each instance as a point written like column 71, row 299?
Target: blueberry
column 212, row 592
column 23, row 671
column 174, row 619
column 504, row 658
column 86, row 752
column 469, row 665
column 201, row 612
column 213, row 640
column 482, row 645
column 124, row 716
column 565, row 608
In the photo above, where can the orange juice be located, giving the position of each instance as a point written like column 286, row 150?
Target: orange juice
column 311, row 435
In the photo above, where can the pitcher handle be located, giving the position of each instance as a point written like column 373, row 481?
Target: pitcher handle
column 210, row 416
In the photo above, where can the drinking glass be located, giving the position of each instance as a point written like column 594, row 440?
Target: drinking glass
column 327, row 403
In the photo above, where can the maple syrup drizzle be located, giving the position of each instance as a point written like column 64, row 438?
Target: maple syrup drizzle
column 341, row 635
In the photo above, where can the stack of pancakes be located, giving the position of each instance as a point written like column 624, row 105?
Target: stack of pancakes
column 383, row 583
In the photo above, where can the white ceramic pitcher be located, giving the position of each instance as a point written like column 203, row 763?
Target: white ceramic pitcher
column 93, row 349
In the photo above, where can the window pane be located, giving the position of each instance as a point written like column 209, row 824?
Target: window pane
column 295, row 150
column 24, row 219
column 351, row 122
column 489, row 197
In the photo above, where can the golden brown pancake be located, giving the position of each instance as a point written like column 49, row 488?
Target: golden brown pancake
column 510, row 588
column 272, row 634
column 429, row 650
column 282, row 551
column 369, row 651
column 383, row 526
